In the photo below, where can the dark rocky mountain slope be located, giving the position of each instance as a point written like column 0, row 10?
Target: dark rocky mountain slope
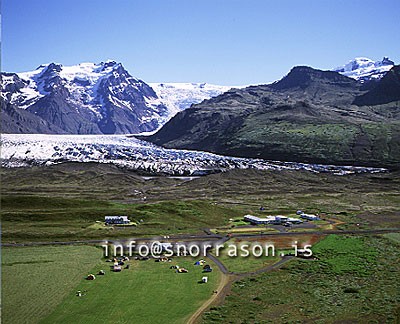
column 308, row 116
column 386, row 90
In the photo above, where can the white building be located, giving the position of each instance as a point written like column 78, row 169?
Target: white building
column 117, row 220
column 309, row 216
column 270, row 219
column 294, row 220
column 258, row 220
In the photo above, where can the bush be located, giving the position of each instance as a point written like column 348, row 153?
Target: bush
column 351, row 290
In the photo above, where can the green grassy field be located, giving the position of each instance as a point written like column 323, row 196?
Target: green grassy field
column 354, row 280
column 36, row 279
column 39, row 284
column 148, row 292
column 394, row 237
column 244, row 230
column 37, row 218
column 250, row 263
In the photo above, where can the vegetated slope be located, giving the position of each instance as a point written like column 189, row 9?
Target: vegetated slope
column 308, row 116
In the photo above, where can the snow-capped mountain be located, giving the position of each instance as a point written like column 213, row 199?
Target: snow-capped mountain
column 85, row 99
column 104, row 98
column 180, row 96
column 93, row 98
column 364, row 69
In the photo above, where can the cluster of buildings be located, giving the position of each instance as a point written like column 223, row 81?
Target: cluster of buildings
column 279, row 219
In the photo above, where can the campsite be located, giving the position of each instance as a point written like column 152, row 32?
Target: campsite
column 146, row 290
column 136, row 292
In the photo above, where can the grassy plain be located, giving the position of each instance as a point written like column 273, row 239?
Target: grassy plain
column 36, row 279
column 63, row 202
column 39, row 285
column 353, row 280
column 37, row 218
column 148, row 292
column 241, row 263
column 245, row 230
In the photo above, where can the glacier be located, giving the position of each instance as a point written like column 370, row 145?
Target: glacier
column 180, row 96
column 19, row 150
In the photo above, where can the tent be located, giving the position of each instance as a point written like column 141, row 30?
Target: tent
column 181, row 270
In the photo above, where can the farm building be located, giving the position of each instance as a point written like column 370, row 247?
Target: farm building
column 117, row 220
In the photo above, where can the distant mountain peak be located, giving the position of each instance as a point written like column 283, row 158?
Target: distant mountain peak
column 86, row 98
column 47, row 65
column 364, row 69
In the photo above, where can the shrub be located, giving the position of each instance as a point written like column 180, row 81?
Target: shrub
column 351, row 290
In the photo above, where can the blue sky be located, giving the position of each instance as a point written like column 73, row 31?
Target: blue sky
column 223, row 42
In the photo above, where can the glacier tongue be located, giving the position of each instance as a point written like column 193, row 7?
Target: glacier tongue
column 125, row 151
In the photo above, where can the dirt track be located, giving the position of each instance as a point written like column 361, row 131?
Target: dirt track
column 226, row 280
column 220, row 294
